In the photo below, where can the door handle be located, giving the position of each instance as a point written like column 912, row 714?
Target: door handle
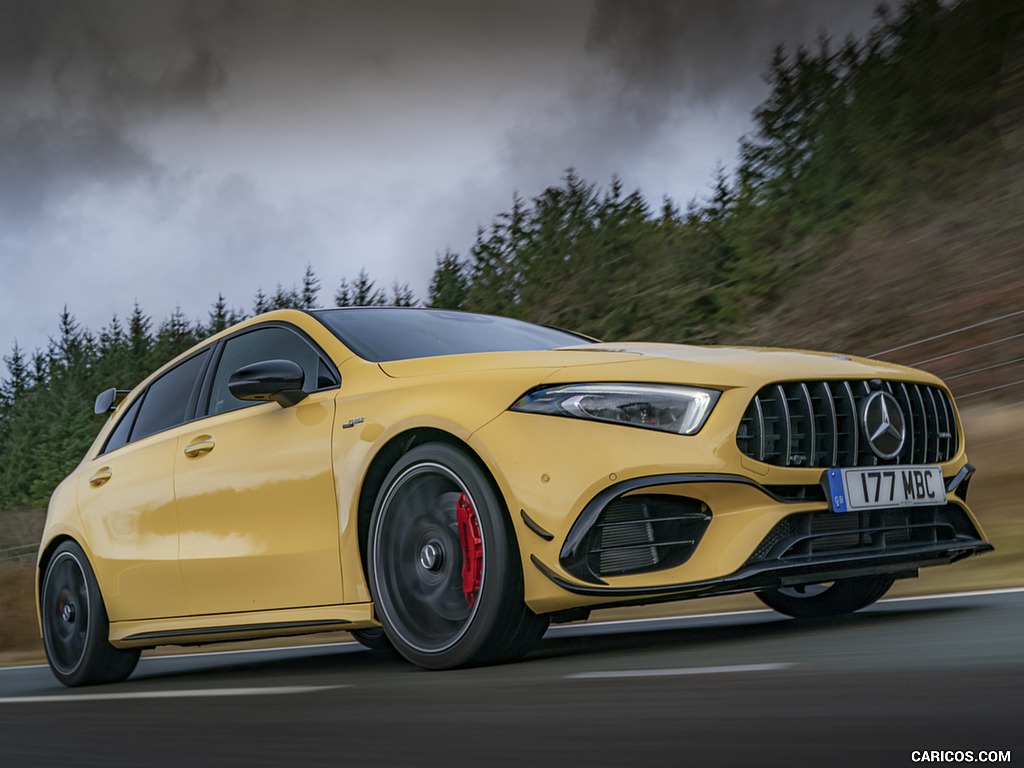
column 101, row 476
column 199, row 446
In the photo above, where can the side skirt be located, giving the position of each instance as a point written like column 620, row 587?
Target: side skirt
column 199, row 630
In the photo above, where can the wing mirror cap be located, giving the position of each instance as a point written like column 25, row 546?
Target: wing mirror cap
column 277, row 380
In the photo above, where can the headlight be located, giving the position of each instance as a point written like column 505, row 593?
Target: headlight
column 682, row 410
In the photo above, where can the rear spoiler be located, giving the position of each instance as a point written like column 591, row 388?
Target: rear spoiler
column 107, row 401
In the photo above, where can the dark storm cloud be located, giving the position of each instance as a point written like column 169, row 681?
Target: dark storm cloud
column 43, row 159
column 668, row 87
column 145, row 143
column 114, row 56
column 706, row 50
column 76, row 76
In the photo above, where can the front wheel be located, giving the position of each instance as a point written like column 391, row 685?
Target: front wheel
column 374, row 639
column 75, row 624
column 828, row 599
column 443, row 564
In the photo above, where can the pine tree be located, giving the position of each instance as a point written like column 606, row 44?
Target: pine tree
column 174, row 336
column 69, row 354
column 15, row 450
column 343, row 296
column 219, row 316
column 113, row 364
column 402, row 295
column 261, row 303
column 365, row 294
column 140, row 347
column 449, row 286
column 310, row 289
column 18, row 378
column 285, row 298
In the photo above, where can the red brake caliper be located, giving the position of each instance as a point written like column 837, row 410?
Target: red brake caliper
column 472, row 549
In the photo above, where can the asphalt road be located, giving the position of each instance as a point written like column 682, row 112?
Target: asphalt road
column 747, row 689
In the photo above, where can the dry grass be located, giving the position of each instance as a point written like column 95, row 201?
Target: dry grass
column 995, row 441
column 19, row 636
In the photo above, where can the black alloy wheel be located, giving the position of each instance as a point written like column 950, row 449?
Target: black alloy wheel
column 444, row 567
column 835, row 598
column 75, row 624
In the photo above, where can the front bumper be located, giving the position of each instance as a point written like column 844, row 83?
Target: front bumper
column 558, row 475
column 802, row 548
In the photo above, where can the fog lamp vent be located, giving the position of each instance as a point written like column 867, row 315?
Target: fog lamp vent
column 640, row 534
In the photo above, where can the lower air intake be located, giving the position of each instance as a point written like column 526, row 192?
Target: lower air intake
column 641, row 533
column 811, row 536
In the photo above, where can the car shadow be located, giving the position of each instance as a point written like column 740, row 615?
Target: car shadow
column 349, row 663
column 760, row 626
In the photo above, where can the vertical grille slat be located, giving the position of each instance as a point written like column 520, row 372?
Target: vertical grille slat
column 922, row 434
column 849, row 418
column 908, row 413
column 760, row 429
column 933, row 423
column 811, row 445
column 865, row 458
column 826, row 432
column 785, row 424
column 943, row 429
column 952, row 444
column 819, row 424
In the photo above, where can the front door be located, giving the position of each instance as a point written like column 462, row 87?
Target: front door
column 257, row 511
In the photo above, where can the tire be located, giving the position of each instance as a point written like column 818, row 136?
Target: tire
column 75, row 624
column 375, row 639
column 443, row 564
column 833, row 599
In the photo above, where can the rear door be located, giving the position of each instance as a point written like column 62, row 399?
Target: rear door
column 126, row 499
column 254, row 484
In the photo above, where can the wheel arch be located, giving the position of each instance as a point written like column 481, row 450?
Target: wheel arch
column 46, row 555
column 386, row 457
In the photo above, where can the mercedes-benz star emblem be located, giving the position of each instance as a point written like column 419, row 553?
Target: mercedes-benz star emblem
column 884, row 425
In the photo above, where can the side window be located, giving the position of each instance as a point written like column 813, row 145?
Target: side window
column 167, row 398
column 120, row 434
column 265, row 344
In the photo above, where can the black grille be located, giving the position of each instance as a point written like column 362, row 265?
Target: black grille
column 639, row 534
column 818, row 424
column 809, row 536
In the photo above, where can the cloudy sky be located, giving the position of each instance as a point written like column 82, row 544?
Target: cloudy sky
column 162, row 152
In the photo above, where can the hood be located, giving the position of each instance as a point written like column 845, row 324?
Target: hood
column 665, row 363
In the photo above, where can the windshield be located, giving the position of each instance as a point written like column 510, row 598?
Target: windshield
column 381, row 334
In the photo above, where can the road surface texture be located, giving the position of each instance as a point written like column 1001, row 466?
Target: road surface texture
column 943, row 676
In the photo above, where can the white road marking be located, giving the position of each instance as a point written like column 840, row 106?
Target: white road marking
column 975, row 593
column 173, row 694
column 751, row 611
column 737, row 668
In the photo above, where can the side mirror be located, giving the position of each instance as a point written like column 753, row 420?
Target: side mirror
column 277, row 380
column 107, row 401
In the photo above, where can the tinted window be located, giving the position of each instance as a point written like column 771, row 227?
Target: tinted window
column 382, row 334
column 167, row 398
column 124, row 427
column 266, row 344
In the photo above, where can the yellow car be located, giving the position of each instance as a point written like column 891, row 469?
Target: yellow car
column 448, row 483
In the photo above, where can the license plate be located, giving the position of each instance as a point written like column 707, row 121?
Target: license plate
column 874, row 487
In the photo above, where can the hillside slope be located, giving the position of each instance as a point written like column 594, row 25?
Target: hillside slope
column 945, row 261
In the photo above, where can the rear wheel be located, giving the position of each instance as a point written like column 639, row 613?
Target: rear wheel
column 443, row 564
column 827, row 599
column 75, row 624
